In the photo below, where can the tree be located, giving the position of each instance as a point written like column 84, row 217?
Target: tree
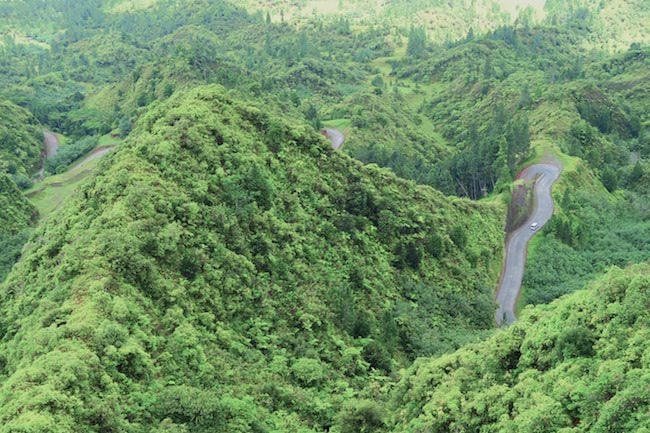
column 313, row 117
column 458, row 236
column 524, row 98
column 378, row 82
column 363, row 416
column 417, row 40
column 609, row 179
column 125, row 126
column 636, row 174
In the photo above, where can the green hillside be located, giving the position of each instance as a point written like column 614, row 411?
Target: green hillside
column 21, row 142
column 17, row 215
column 218, row 267
column 578, row 365
column 228, row 271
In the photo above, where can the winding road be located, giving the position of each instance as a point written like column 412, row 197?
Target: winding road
column 51, row 145
column 96, row 153
column 517, row 242
column 335, row 136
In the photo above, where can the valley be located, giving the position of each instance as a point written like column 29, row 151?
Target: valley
column 337, row 216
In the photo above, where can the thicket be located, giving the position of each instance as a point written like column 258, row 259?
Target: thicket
column 69, row 153
column 577, row 365
column 21, row 143
column 229, row 271
column 592, row 233
column 17, row 216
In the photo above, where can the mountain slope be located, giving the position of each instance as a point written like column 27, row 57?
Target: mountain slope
column 20, row 142
column 20, row 150
column 228, row 271
column 579, row 364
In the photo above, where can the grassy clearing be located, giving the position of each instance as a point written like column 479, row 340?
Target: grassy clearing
column 62, row 138
column 131, row 5
column 108, row 140
column 340, row 124
column 49, row 194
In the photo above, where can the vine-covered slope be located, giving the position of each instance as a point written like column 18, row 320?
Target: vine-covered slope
column 228, row 271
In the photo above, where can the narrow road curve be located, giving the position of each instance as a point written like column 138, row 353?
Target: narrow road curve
column 335, row 136
column 517, row 241
column 51, row 145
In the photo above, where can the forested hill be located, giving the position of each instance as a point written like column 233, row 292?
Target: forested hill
column 228, row 271
column 223, row 269
column 21, row 141
column 580, row 364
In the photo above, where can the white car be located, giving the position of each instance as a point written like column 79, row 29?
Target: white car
column 534, row 226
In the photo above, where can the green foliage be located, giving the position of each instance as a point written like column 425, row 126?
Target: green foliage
column 363, row 416
column 227, row 271
column 189, row 283
column 20, row 141
column 577, row 365
column 417, row 40
column 20, row 149
column 11, row 245
column 592, row 234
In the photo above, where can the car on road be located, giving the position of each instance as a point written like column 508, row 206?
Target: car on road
column 534, row 226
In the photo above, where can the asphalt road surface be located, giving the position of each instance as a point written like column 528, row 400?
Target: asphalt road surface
column 51, row 145
column 335, row 136
column 517, row 242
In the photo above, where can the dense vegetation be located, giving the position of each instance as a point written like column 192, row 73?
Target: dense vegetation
column 578, row 365
column 230, row 271
column 20, row 152
column 16, row 218
column 226, row 270
column 20, row 143
column 592, row 233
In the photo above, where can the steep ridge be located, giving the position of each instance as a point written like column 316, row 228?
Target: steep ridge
column 229, row 271
column 20, row 142
column 20, row 149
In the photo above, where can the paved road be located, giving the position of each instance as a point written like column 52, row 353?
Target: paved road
column 335, row 136
column 517, row 242
column 51, row 145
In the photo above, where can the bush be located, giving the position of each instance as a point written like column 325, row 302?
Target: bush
column 308, row 371
column 22, row 181
column 363, row 416
column 458, row 236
